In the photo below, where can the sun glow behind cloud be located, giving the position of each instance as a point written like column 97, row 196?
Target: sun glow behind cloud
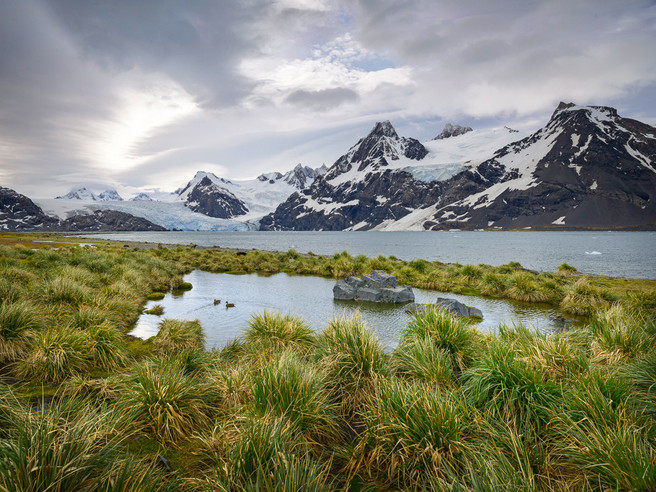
column 141, row 111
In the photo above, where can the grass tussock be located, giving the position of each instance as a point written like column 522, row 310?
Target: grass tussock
column 454, row 336
column 276, row 331
column 179, row 336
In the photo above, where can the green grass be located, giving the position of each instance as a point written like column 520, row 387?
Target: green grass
column 284, row 408
column 165, row 402
column 178, row 336
column 453, row 335
column 275, row 331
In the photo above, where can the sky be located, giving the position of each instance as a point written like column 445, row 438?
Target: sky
column 139, row 95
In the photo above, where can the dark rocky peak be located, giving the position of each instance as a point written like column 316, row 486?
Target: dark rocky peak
column 19, row 213
column 451, row 130
column 383, row 129
column 301, row 176
column 270, row 177
column 208, row 198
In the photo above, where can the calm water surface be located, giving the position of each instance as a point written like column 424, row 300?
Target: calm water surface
column 617, row 254
column 312, row 299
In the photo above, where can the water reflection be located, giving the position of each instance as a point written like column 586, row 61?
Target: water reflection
column 312, row 299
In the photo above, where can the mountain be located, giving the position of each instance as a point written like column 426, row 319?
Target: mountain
column 209, row 198
column 79, row 194
column 383, row 178
column 587, row 168
column 451, row 130
column 141, row 197
column 244, row 200
column 110, row 196
column 84, row 194
column 19, row 213
column 107, row 221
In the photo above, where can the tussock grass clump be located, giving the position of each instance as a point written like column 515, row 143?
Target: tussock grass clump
column 642, row 375
column 19, row 322
column 264, row 455
column 72, row 446
column 277, row 331
column 106, row 346
column 505, row 385
column 566, row 268
column 413, row 430
column 584, row 299
column 178, row 335
column 453, row 335
column 291, row 389
column 522, row 286
column 156, row 310
column 554, row 354
column 353, row 361
column 618, row 329
column 165, row 402
column 55, row 354
column 65, row 290
column 88, row 316
column 422, row 359
column 609, row 440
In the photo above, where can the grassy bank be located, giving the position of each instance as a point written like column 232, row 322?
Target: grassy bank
column 84, row 407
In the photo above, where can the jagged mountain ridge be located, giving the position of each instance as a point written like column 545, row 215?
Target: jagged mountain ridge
column 587, row 167
column 383, row 178
column 211, row 195
column 84, row 194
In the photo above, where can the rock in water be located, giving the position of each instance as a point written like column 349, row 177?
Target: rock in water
column 454, row 307
column 374, row 287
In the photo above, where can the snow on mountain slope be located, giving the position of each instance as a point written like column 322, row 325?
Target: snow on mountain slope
column 79, row 194
column 450, row 155
column 171, row 215
column 260, row 195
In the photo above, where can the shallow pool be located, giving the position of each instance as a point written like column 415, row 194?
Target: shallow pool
column 312, row 299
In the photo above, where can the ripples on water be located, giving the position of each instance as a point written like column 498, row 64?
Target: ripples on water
column 312, row 299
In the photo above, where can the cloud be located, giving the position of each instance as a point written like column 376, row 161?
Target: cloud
column 322, row 99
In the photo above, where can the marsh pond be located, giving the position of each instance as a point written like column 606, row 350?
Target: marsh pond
column 311, row 298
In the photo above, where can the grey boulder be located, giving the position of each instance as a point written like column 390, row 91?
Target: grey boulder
column 374, row 287
column 454, row 307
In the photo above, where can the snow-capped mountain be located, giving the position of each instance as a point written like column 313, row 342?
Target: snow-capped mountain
column 86, row 195
column 141, row 197
column 587, row 167
column 110, row 196
column 79, row 194
column 383, row 178
column 208, row 198
column 245, row 200
column 19, row 213
column 451, row 130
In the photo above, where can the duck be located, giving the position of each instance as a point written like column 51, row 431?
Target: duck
column 217, row 301
column 229, row 305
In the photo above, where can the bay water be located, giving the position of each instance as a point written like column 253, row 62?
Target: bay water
column 612, row 253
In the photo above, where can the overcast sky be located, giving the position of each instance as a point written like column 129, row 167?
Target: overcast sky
column 140, row 94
